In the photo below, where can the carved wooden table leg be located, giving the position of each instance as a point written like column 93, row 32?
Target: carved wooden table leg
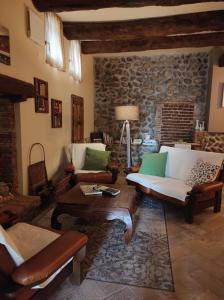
column 54, row 219
column 129, row 228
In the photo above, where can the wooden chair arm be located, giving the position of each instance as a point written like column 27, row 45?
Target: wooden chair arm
column 113, row 167
column 63, row 185
column 42, row 265
column 207, row 187
column 70, row 169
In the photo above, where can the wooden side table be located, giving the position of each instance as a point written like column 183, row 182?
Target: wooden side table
column 199, row 136
column 133, row 169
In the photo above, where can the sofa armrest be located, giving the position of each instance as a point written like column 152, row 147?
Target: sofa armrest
column 42, row 265
column 207, row 187
column 70, row 169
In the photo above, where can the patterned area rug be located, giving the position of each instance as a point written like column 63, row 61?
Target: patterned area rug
column 144, row 262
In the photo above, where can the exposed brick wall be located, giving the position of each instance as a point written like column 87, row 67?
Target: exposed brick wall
column 174, row 121
column 8, row 155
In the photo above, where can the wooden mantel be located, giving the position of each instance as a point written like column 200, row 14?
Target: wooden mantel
column 74, row 5
column 14, row 89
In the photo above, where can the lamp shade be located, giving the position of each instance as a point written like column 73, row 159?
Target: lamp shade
column 126, row 112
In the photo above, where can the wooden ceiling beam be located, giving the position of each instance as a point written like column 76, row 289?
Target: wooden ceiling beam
column 74, row 5
column 170, row 42
column 145, row 28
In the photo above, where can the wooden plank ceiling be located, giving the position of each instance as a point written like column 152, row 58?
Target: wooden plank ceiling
column 199, row 29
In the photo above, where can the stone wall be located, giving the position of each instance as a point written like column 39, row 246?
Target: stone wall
column 148, row 82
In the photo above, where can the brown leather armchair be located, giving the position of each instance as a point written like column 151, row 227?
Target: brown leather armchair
column 47, row 268
column 76, row 153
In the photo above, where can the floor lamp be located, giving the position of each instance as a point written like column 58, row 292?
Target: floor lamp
column 127, row 113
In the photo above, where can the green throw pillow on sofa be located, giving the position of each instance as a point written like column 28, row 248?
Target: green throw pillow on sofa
column 96, row 160
column 154, row 164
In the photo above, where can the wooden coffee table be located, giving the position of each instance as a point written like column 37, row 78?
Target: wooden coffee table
column 121, row 207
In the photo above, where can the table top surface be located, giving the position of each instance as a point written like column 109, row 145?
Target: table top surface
column 125, row 199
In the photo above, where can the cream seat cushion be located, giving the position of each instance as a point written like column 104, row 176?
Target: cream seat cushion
column 30, row 239
column 165, row 185
column 7, row 241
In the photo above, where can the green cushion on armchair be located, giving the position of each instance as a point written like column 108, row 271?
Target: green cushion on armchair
column 154, row 164
column 96, row 160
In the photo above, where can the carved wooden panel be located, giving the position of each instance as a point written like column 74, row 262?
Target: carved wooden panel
column 77, row 119
column 41, row 96
column 56, row 113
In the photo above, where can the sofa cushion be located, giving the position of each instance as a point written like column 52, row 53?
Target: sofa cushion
column 202, row 172
column 96, row 159
column 154, row 164
column 76, row 152
column 181, row 161
column 167, row 186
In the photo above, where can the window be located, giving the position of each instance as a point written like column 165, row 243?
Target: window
column 75, row 68
column 54, row 41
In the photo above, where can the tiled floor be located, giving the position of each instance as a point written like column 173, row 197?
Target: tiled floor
column 197, row 254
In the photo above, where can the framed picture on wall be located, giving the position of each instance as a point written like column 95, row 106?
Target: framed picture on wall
column 56, row 113
column 4, row 46
column 41, row 96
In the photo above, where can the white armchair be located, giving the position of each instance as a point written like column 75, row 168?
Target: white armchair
column 76, row 157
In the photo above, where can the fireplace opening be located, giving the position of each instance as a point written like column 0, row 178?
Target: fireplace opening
column 11, row 91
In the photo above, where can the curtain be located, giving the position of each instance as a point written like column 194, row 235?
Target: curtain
column 75, row 66
column 54, row 41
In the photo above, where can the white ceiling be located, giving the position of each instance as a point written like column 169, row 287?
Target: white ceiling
column 112, row 14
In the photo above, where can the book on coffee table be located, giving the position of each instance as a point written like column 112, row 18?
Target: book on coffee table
column 108, row 190
column 90, row 189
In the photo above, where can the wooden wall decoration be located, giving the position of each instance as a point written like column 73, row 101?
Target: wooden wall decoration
column 56, row 113
column 41, row 96
column 77, row 119
column 4, row 46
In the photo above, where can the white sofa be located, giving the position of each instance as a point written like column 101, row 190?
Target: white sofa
column 172, row 187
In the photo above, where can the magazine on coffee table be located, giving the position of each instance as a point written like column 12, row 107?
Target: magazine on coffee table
column 90, row 189
column 108, row 190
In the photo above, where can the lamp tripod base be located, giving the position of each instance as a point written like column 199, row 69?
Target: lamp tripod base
column 126, row 127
